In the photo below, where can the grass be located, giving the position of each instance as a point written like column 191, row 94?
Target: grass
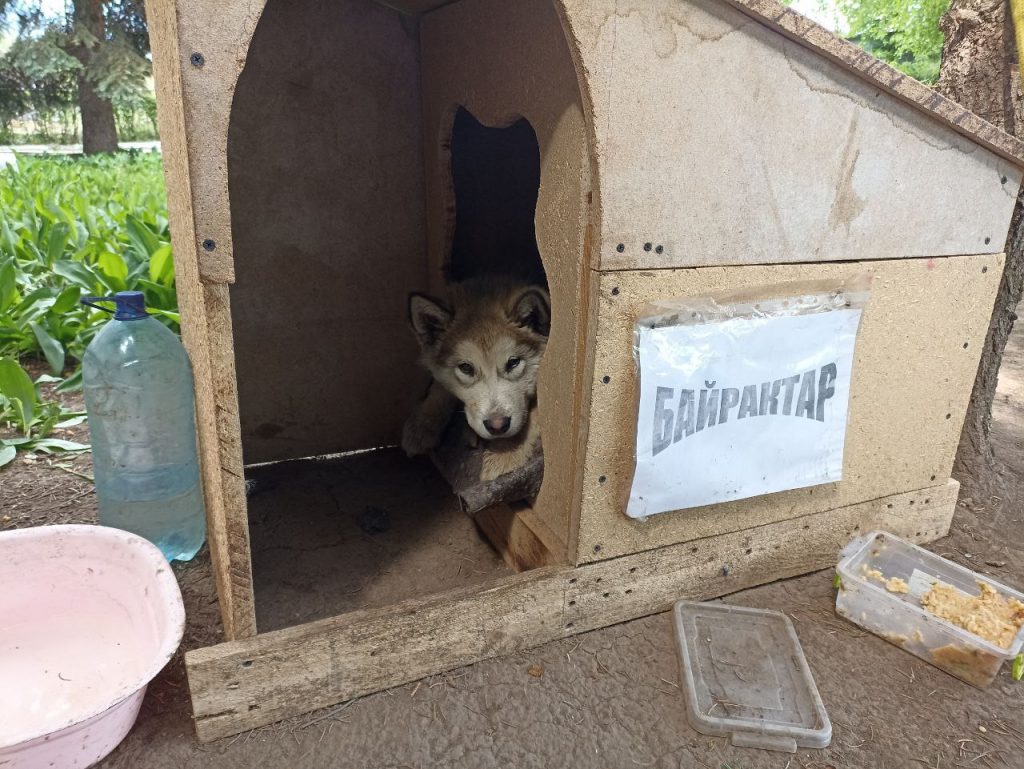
column 72, row 227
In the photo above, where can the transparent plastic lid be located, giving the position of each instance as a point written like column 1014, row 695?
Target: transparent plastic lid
column 746, row 677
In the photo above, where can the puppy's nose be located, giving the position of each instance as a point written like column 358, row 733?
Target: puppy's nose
column 497, row 425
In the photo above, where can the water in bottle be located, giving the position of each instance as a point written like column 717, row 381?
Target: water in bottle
column 141, row 406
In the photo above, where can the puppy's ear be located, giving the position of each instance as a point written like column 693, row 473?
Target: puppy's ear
column 429, row 319
column 532, row 309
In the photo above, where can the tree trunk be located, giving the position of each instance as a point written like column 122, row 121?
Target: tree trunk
column 979, row 71
column 99, row 131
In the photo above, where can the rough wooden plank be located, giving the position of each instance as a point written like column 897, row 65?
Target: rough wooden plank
column 325, row 160
column 740, row 146
column 206, row 332
column 915, row 362
column 233, row 566
column 503, row 61
column 218, row 32
column 244, row 684
column 508, row 531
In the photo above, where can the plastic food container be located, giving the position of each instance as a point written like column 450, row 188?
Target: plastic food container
column 899, row 618
column 88, row 616
column 746, row 677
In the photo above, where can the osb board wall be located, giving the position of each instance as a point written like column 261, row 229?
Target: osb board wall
column 718, row 141
column 326, row 185
column 915, row 361
column 503, row 61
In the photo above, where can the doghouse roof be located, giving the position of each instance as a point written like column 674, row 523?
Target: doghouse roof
column 815, row 37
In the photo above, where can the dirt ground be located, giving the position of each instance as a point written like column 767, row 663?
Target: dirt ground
column 611, row 698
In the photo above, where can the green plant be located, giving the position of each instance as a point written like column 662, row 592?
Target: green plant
column 72, row 227
column 35, row 419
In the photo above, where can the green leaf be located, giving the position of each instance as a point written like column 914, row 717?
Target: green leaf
column 142, row 238
column 176, row 317
column 15, row 441
column 837, row 582
column 19, row 391
column 1018, row 667
column 52, row 349
column 72, row 383
column 52, row 445
column 67, row 300
column 8, row 285
column 78, row 273
column 113, row 267
column 161, row 266
column 43, row 210
column 57, row 242
column 7, row 455
column 73, row 422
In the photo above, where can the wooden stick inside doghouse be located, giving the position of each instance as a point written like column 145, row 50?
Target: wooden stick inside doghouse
column 460, row 465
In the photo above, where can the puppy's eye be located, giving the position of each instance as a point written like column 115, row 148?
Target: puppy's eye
column 512, row 364
column 467, row 369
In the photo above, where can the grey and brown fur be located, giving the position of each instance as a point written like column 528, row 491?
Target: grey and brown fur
column 483, row 347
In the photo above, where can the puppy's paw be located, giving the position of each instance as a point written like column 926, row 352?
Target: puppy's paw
column 494, row 465
column 419, row 437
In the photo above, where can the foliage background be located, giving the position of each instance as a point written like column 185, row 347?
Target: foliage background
column 72, row 227
column 39, row 76
column 904, row 33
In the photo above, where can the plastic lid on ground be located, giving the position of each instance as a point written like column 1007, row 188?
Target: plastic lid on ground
column 746, row 677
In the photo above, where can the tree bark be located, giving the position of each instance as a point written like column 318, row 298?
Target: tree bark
column 979, row 70
column 99, row 131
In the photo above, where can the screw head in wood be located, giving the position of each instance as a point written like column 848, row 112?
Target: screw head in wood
column 209, row 245
column 197, row 59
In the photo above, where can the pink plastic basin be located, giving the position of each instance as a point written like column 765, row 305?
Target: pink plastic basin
column 88, row 616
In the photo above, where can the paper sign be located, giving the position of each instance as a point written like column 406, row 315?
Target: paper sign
column 740, row 407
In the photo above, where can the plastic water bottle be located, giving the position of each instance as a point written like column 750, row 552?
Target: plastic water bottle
column 141, row 406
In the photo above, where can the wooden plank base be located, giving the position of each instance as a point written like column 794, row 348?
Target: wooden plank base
column 517, row 544
column 243, row 684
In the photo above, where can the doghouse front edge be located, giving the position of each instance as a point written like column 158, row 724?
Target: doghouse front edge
column 243, row 684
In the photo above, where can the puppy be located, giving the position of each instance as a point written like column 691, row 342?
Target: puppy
column 483, row 348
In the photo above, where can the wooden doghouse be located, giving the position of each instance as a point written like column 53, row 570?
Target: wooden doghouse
column 676, row 148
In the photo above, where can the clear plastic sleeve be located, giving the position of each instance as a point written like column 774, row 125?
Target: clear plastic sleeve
column 744, row 393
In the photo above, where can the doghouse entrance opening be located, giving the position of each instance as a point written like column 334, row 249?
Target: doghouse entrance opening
column 326, row 177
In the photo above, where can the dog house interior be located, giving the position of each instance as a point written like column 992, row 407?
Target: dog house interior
column 325, row 158
column 363, row 165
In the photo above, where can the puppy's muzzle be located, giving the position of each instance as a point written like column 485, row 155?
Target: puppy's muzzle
column 497, row 425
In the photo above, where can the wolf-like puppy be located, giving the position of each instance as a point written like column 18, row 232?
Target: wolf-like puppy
column 483, row 348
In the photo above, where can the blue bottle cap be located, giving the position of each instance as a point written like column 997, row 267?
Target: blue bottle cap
column 131, row 305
